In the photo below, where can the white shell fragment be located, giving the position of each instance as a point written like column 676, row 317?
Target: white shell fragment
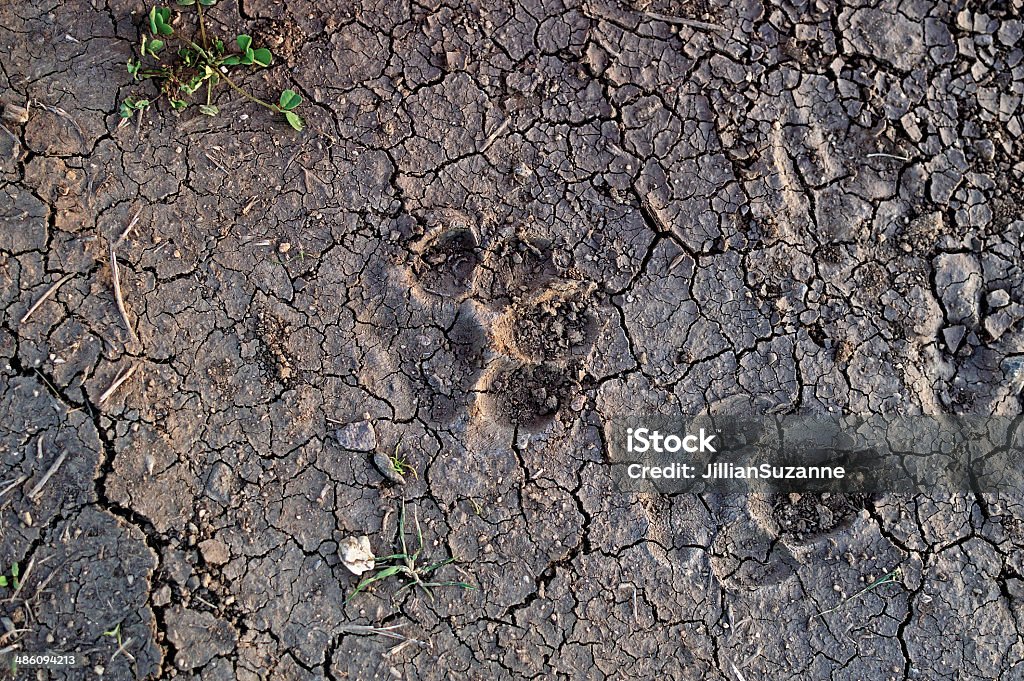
column 356, row 554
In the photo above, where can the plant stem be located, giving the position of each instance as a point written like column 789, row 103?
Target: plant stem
column 202, row 53
column 884, row 579
column 251, row 98
column 202, row 26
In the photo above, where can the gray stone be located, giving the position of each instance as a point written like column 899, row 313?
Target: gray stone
column 383, row 463
column 953, row 335
column 357, row 437
column 997, row 324
column 220, row 482
column 1010, row 32
column 162, row 596
column 177, row 567
column 998, row 298
column 214, row 551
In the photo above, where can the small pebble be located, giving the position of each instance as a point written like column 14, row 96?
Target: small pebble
column 17, row 115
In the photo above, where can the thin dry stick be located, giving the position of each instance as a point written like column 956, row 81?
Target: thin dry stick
column 402, row 646
column 60, row 112
column 128, row 229
column 120, row 379
column 205, row 602
column 49, row 292
column 24, row 578
column 737, row 672
column 9, row 635
column 895, row 157
column 493, row 136
column 122, row 649
column 116, row 275
column 692, row 23
column 47, row 475
column 387, row 632
column 4, row 651
column 14, row 483
column 43, row 584
column 364, row 629
column 215, row 162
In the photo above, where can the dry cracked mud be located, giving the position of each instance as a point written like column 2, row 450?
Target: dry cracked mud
column 506, row 223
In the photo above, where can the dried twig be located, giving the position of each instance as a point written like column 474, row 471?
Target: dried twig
column 47, row 475
column 14, row 483
column 24, row 578
column 215, row 162
column 737, row 672
column 116, row 276
column 402, row 646
column 9, row 635
column 894, row 157
column 493, row 136
column 387, row 632
column 53, row 573
column 49, row 292
column 128, row 229
column 123, row 649
column 118, row 380
column 692, row 23
column 205, row 602
column 46, row 382
column 62, row 113
column 363, row 630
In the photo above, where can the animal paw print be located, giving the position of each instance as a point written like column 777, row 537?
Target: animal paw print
column 542, row 336
column 540, row 325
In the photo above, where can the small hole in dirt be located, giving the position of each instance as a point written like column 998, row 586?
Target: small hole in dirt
column 445, row 265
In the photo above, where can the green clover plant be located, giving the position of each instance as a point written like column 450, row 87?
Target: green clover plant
column 181, row 67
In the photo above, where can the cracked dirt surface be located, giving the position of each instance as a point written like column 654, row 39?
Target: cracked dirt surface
column 508, row 223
